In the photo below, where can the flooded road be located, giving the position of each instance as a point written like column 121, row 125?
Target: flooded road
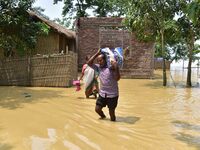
column 149, row 117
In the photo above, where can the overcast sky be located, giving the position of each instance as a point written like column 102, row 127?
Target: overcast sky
column 51, row 10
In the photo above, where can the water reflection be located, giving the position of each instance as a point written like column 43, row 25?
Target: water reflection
column 40, row 143
column 186, row 125
column 5, row 146
column 88, row 141
column 16, row 97
column 128, row 119
column 70, row 145
column 191, row 140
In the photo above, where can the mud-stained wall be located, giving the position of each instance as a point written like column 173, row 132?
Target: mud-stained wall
column 47, row 44
column 54, row 43
column 93, row 33
column 46, row 70
column 14, row 72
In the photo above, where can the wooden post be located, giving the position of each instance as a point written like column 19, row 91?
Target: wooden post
column 29, row 70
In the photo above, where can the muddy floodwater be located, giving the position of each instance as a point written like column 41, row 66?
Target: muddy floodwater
column 149, row 117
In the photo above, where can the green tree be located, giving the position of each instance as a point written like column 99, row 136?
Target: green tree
column 189, row 25
column 175, row 47
column 101, row 8
column 151, row 20
column 174, row 52
column 66, row 22
column 17, row 29
column 75, row 7
column 196, row 51
column 39, row 11
column 104, row 8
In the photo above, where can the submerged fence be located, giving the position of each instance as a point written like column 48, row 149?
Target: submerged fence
column 47, row 70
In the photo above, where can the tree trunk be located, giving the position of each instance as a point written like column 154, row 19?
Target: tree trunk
column 163, row 55
column 190, row 48
column 189, row 72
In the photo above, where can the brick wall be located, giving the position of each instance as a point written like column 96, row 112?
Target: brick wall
column 94, row 33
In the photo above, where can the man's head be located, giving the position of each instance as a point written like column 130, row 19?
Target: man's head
column 101, row 59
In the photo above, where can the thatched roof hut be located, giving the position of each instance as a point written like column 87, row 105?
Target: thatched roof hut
column 60, row 39
column 54, row 65
column 58, row 28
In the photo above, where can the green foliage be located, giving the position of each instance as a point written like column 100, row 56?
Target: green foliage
column 147, row 18
column 66, row 22
column 78, row 8
column 104, row 8
column 150, row 21
column 189, row 29
column 17, row 29
column 174, row 51
column 56, row 1
column 101, row 8
column 193, row 10
column 189, row 20
column 196, row 51
column 39, row 11
column 189, row 23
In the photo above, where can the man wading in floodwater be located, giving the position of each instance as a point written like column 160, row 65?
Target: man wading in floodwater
column 109, row 77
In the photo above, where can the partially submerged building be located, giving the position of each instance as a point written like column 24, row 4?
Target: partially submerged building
column 53, row 63
column 95, row 33
column 59, row 39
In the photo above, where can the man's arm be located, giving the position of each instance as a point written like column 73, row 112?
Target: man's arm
column 115, row 69
column 82, row 74
column 91, row 60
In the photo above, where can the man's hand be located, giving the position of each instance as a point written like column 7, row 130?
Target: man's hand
column 114, row 64
column 99, row 51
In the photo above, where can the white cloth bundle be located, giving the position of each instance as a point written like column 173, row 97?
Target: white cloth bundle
column 115, row 54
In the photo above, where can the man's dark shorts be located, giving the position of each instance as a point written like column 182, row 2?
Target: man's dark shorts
column 110, row 102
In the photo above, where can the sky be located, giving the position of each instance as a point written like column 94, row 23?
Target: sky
column 51, row 10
